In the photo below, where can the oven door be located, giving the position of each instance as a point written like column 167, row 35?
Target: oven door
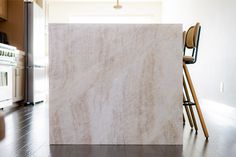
column 5, row 85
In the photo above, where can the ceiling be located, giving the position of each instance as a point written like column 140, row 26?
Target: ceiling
column 108, row 0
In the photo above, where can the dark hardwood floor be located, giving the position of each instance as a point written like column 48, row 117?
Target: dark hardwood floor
column 27, row 135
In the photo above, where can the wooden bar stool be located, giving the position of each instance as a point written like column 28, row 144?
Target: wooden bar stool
column 191, row 41
column 187, row 110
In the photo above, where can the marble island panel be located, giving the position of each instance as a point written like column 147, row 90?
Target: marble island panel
column 115, row 84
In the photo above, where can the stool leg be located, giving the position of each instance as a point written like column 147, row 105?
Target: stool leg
column 188, row 114
column 190, row 107
column 183, row 119
column 195, row 100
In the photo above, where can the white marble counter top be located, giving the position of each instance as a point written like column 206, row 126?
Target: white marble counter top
column 115, row 84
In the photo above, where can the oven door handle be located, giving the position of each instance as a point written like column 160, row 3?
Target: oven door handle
column 5, row 100
column 35, row 66
column 7, row 63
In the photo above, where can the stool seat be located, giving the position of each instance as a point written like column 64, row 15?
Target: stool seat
column 188, row 59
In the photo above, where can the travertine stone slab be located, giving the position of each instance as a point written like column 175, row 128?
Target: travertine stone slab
column 115, row 84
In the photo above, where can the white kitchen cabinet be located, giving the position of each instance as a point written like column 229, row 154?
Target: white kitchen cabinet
column 19, row 84
column 19, row 79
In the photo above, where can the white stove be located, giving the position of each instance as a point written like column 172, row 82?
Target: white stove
column 7, row 63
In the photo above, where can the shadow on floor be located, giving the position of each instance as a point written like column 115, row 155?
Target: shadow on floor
column 116, row 151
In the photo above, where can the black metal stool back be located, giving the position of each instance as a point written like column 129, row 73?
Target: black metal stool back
column 191, row 42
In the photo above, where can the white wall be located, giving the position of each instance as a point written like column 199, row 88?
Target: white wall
column 103, row 12
column 217, row 52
